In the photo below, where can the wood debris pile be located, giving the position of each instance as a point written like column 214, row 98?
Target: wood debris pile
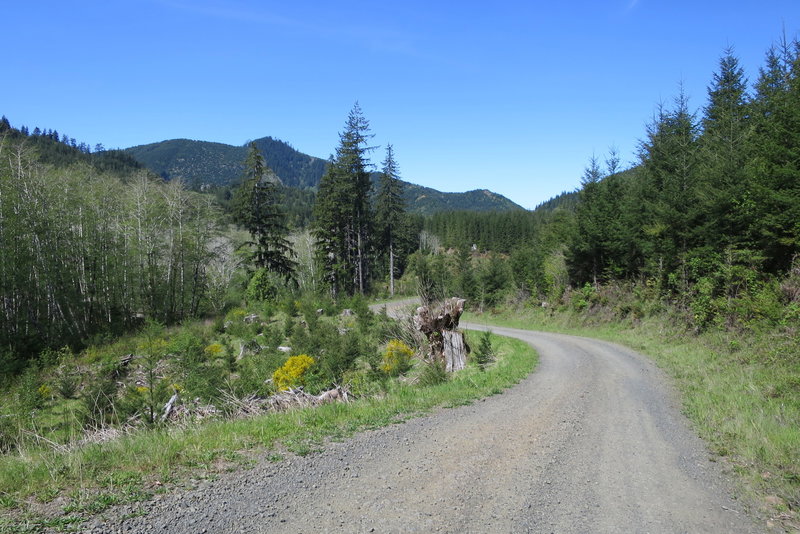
column 251, row 405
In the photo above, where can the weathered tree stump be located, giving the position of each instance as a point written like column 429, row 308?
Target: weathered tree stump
column 441, row 328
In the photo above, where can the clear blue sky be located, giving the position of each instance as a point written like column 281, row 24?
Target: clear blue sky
column 510, row 96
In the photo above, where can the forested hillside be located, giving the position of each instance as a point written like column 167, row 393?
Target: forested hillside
column 427, row 201
column 202, row 162
column 91, row 244
column 217, row 165
column 50, row 149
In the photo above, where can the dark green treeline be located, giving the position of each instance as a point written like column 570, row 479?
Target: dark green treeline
column 712, row 204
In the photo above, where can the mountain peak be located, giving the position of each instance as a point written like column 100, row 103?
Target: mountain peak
column 204, row 162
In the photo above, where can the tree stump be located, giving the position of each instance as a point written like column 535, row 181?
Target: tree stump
column 441, row 329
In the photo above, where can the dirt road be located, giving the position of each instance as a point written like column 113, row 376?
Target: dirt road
column 593, row 441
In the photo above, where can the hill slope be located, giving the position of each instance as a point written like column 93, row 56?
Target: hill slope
column 202, row 162
column 426, row 201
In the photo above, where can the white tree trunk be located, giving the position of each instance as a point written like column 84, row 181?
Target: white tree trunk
column 391, row 270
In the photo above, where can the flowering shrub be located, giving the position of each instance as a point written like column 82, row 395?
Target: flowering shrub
column 215, row 350
column 396, row 358
column 291, row 374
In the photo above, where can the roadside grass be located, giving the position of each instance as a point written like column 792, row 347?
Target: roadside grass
column 741, row 391
column 136, row 466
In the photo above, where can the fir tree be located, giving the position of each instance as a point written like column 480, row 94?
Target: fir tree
column 389, row 212
column 587, row 254
column 484, row 355
column 723, row 154
column 774, row 165
column 257, row 210
column 342, row 213
column 669, row 180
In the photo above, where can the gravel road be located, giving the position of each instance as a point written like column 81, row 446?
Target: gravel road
column 593, row 441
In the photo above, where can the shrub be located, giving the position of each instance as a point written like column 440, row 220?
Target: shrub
column 45, row 392
column 288, row 326
column 9, row 434
column 433, row 372
column 186, row 340
column 290, row 306
column 338, row 353
column 361, row 383
column 214, row 351
column 308, row 308
column 484, row 354
column 359, row 306
column 291, row 374
column 254, row 372
column 67, row 382
column 261, row 287
column 28, row 386
column 98, row 403
column 396, row 358
column 202, row 369
column 273, row 336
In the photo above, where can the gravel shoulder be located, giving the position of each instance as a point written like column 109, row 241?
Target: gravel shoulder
column 593, row 441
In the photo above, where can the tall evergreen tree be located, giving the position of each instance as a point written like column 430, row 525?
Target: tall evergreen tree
column 389, row 212
column 724, row 184
column 586, row 256
column 342, row 212
column 669, row 172
column 774, row 163
column 258, row 211
column 602, row 243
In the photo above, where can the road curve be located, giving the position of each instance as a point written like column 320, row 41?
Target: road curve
column 593, row 441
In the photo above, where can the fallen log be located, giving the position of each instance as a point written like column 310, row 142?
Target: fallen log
column 169, row 406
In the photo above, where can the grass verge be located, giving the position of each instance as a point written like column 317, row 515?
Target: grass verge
column 741, row 392
column 44, row 488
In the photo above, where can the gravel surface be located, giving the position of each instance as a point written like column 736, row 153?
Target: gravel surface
column 593, row 441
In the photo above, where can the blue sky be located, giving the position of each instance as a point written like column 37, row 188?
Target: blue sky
column 510, row 96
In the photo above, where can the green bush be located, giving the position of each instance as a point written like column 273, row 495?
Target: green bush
column 308, row 308
column 67, row 381
column 364, row 316
column 255, row 371
column 28, row 396
column 204, row 379
column 290, row 306
column 9, row 433
column 363, row 382
column 484, row 353
column 433, row 372
column 273, row 336
column 261, row 287
column 98, row 403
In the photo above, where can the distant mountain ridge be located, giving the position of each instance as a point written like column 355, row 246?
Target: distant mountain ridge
column 204, row 162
